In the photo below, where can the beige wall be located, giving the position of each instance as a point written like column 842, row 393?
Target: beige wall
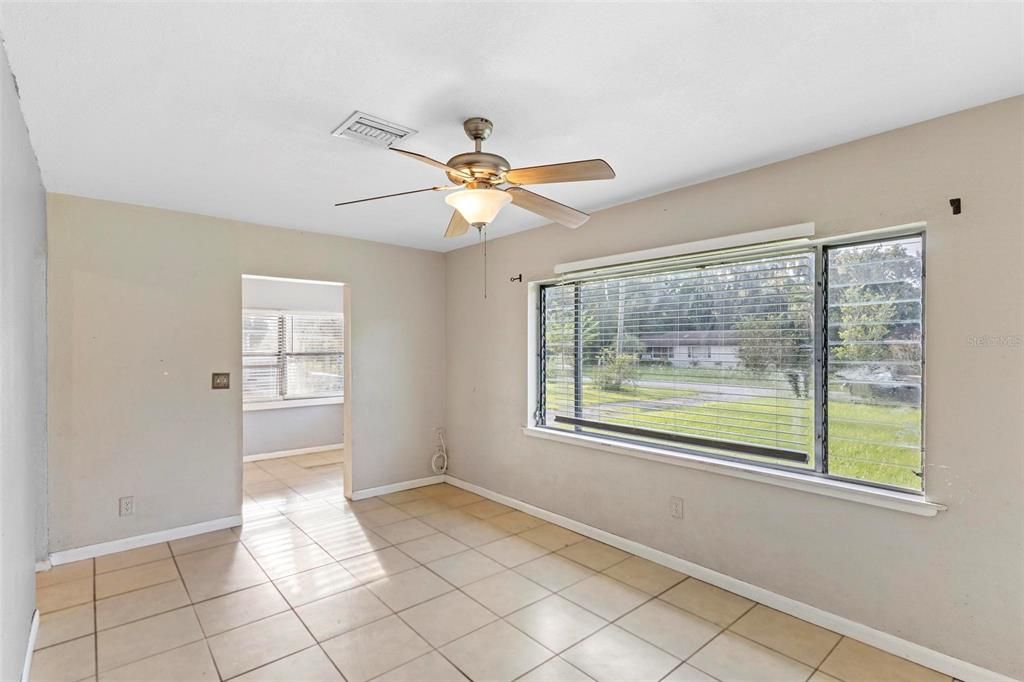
column 955, row 582
column 144, row 304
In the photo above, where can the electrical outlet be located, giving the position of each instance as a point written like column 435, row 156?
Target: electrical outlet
column 676, row 507
column 126, row 506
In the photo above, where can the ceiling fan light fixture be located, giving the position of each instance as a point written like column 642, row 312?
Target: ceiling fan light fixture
column 478, row 206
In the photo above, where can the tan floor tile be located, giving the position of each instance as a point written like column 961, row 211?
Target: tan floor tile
column 613, row 655
column 485, row 509
column 134, row 641
column 645, row 575
column 76, row 570
column 273, row 542
column 465, row 568
column 135, row 578
column 459, row 498
column 556, row 623
column 382, row 516
column 552, row 537
column 250, row 646
column 732, row 658
column 402, row 590
column 64, row 595
column 60, row 626
column 556, row 670
column 203, row 541
column 512, row 551
column 554, row 572
column 446, row 618
column 432, row 547
column 433, row 667
column 339, row 613
column 239, row 608
column 404, row 496
column 707, row 601
column 314, row 584
column 352, row 544
column 74, row 660
column 266, row 524
column 357, row 506
column 446, row 521
column 294, row 561
column 477, row 532
column 495, row 652
column 606, row 597
column 854, row 661
column 149, row 601
column 212, row 572
column 309, row 665
column 819, row 676
column 374, row 649
column 376, row 565
column 593, row 554
column 436, row 489
column 687, row 673
column 516, row 521
column 403, row 531
column 505, row 592
column 678, row 632
column 423, row 507
column 791, row 636
column 132, row 557
column 191, row 662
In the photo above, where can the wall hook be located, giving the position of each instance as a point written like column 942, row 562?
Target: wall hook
column 517, row 278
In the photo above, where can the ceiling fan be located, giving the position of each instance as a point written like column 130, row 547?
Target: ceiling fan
column 487, row 182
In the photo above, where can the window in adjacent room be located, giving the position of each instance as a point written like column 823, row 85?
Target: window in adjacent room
column 291, row 355
column 807, row 359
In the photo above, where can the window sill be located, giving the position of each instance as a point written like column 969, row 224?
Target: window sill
column 903, row 502
column 284, row 404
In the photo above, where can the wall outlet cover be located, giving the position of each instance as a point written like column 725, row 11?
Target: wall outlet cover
column 676, row 507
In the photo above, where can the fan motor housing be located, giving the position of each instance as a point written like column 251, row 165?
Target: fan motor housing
column 484, row 167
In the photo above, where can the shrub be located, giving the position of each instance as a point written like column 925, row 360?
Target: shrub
column 616, row 372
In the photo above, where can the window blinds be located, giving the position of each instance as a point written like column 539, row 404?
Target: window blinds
column 289, row 355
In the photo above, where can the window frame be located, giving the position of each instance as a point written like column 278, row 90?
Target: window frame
column 282, row 355
column 819, row 469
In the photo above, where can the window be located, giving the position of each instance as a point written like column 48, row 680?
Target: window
column 291, row 355
column 809, row 359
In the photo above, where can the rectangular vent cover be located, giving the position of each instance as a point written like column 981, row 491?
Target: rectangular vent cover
column 370, row 129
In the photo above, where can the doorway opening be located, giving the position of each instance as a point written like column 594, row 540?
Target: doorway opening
column 294, row 390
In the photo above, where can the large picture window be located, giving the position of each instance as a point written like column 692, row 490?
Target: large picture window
column 808, row 359
column 291, row 355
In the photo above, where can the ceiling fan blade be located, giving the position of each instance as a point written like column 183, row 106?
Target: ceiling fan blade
column 433, row 162
column 549, row 208
column 396, row 194
column 574, row 171
column 457, row 226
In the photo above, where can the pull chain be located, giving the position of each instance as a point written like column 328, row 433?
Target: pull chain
column 483, row 240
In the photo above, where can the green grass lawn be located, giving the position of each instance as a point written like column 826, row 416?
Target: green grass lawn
column 880, row 444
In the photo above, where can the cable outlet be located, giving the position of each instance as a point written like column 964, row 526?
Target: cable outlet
column 126, row 506
column 675, row 506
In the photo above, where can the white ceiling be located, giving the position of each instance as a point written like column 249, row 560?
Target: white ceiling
column 226, row 109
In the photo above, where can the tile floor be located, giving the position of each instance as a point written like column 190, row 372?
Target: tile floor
column 429, row 584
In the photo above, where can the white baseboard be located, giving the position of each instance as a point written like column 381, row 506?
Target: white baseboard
column 26, row 668
column 292, row 453
column 43, row 565
column 91, row 551
column 396, row 487
column 961, row 670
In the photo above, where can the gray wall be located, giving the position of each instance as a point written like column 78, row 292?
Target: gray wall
column 22, row 377
column 145, row 303
column 954, row 582
column 291, row 428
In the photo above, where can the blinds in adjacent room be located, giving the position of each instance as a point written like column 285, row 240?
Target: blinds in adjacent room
column 289, row 355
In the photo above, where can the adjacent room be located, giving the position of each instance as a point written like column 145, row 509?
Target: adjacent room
column 548, row 342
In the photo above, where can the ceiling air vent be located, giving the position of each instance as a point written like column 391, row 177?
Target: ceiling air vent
column 372, row 130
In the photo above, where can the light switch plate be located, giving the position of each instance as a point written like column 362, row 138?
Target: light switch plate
column 221, row 380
